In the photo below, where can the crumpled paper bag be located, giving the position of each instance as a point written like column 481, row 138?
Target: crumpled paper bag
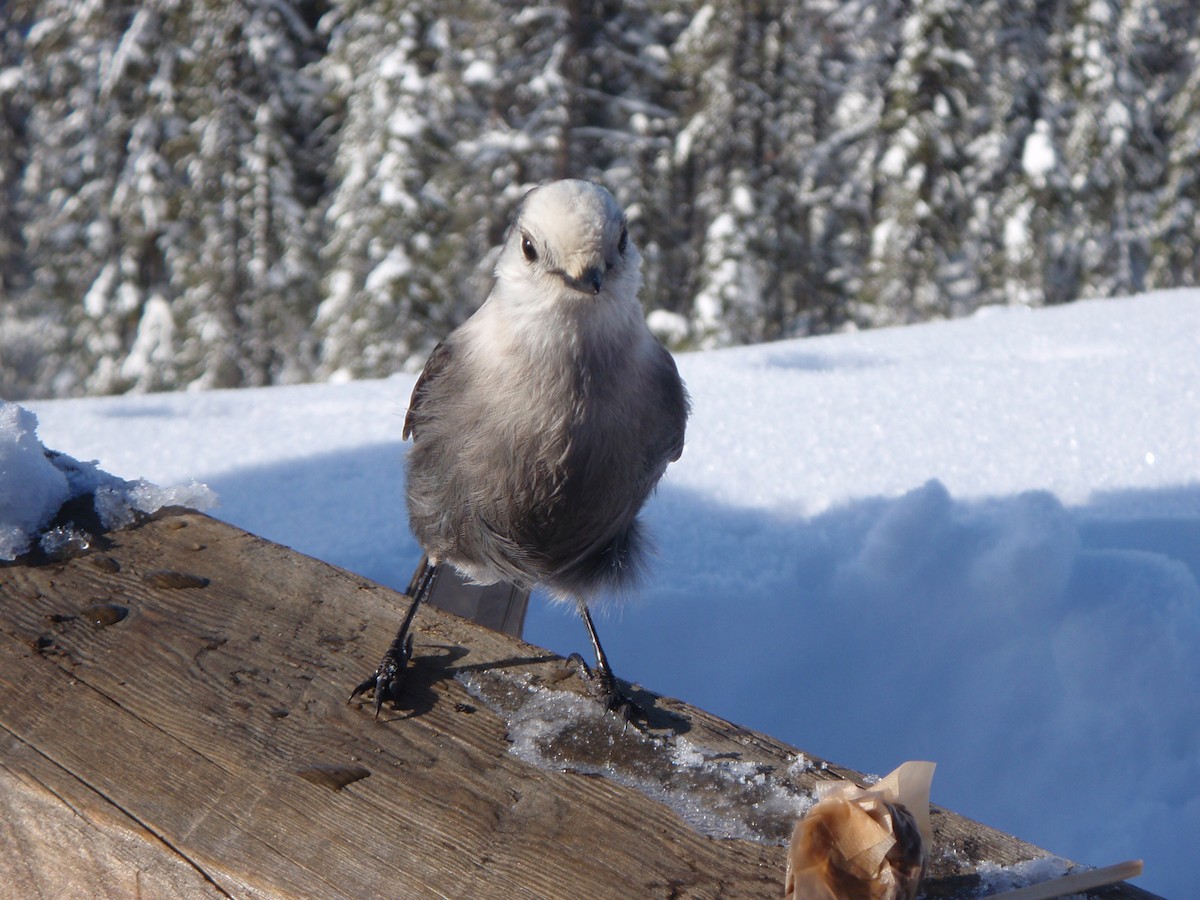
column 864, row 843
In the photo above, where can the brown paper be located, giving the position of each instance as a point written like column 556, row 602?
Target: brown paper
column 863, row 843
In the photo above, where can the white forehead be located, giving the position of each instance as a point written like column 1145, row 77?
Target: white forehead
column 574, row 212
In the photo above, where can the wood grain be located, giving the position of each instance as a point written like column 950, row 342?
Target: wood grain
column 201, row 744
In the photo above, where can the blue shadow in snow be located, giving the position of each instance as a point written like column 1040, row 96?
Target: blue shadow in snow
column 345, row 508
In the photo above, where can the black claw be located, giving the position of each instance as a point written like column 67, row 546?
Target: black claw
column 387, row 681
column 603, row 684
column 604, row 688
column 616, row 701
column 585, row 671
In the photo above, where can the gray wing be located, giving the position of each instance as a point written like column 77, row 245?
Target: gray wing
column 435, row 366
column 676, row 404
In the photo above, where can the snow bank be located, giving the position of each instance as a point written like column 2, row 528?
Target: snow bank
column 31, row 487
column 35, row 483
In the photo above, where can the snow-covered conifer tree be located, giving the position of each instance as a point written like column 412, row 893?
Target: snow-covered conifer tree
column 1174, row 248
column 248, row 275
column 404, row 219
column 914, row 267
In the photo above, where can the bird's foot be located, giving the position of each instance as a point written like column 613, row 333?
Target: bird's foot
column 604, row 688
column 387, row 681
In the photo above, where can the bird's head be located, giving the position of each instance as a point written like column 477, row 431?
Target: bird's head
column 570, row 239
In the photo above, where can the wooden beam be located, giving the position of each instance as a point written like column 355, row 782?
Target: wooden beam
column 175, row 723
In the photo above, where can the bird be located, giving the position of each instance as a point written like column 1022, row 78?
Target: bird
column 542, row 424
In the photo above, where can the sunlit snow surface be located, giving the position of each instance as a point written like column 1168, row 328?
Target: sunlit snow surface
column 974, row 542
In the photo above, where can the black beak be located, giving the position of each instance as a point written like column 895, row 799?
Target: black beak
column 590, row 281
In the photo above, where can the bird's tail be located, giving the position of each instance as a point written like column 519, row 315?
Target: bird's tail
column 497, row 606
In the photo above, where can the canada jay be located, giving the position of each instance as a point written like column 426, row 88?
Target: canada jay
column 541, row 425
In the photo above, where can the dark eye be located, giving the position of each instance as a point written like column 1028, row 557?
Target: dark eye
column 623, row 242
column 528, row 249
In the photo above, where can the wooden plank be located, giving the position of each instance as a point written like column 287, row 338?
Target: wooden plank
column 61, row 838
column 202, row 744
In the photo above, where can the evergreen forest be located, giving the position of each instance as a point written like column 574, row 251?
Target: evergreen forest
column 224, row 193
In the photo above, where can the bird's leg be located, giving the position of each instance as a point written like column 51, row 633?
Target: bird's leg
column 388, row 677
column 603, row 680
